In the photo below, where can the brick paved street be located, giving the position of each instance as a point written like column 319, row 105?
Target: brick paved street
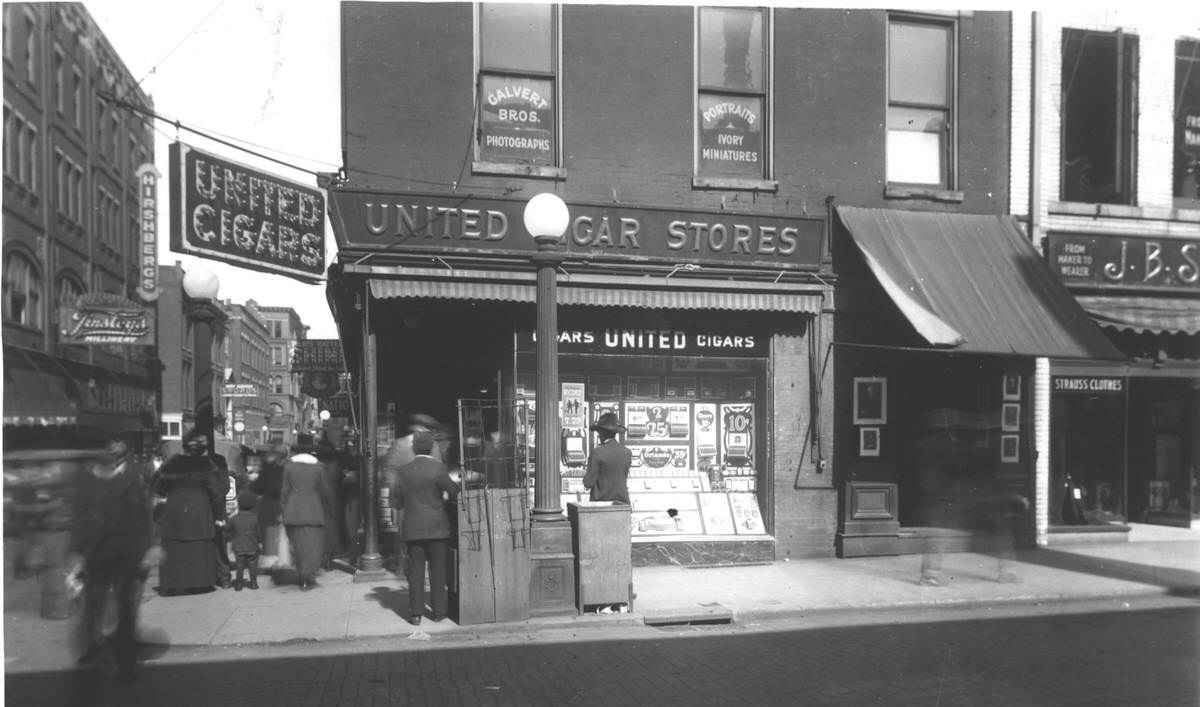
column 1141, row 652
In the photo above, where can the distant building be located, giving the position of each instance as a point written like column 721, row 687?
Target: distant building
column 192, row 339
column 289, row 412
column 71, row 229
column 247, row 363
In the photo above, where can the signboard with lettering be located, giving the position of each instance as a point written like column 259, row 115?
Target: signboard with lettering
column 731, row 136
column 239, row 390
column 516, row 120
column 718, row 341
column 441, row 225
column 1189, row 131
column 222, row 210
column 105, row 318
column 1091, row 385
column 1126, row 262
column 147, row 176
column 318, row 355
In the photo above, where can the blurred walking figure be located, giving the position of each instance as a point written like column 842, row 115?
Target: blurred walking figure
column 305, row 499
column 269, row 488
column 187, row 522
column 421, row 490
column 112, row 550
column 1005, row 514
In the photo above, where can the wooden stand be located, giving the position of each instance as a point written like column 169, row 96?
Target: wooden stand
column 603, row 560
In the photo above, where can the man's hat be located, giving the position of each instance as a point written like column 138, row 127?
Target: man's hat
column 608, row 421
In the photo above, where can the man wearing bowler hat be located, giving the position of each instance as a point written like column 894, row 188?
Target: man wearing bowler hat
column 608, row 465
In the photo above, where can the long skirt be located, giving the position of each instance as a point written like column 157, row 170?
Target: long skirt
column 188, row 564
column 308, row 542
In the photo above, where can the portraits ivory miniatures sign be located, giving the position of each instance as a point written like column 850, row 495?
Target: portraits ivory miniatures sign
column 222, row 210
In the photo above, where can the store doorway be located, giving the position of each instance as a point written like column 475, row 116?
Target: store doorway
column 1164, row 434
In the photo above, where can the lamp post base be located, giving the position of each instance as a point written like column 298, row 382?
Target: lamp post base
column 552, row 568
column 370, row 569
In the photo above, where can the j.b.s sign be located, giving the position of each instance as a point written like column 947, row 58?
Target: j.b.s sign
column 226, row 211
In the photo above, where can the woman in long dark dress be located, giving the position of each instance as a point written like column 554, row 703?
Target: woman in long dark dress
column 269, row 487
column 187, row 523
column 305, row 498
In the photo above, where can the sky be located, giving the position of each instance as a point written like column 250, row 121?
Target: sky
column 263, row 74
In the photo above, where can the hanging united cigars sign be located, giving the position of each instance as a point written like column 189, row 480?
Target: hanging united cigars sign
column 415, row 223
column 226, row 211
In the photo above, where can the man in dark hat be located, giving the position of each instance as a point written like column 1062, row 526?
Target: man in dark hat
column 608, row 465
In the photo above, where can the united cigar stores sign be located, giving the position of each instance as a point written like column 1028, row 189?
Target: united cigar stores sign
column 226, row 211
column 1125, row 262
column 439, row 225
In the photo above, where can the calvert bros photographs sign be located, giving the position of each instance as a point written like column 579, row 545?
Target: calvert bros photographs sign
column 226, row 211
column 414, row 223
column 1118, row 262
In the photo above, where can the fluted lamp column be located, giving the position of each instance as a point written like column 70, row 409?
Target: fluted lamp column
column 552, row 562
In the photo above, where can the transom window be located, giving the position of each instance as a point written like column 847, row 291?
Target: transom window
column 920, row 112
column 731, row 100
column 22, row 291
column 518, row 84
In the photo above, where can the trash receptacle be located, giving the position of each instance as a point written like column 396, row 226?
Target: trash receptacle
column 603, row 560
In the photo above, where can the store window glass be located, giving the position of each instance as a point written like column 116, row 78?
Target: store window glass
column 1087, row 453
column 518, row 84
column 920, row 119
column 22, row 291
column 1187, row 124
column 1099, row 116
column 732, row 99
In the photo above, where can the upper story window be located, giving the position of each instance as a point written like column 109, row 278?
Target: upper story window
column 70, row 289
column 22, row 291
column 277, row 357
column 60, row 82
column 77, row 99
column 921, row 97
column 276, row 329
column 30, row 58
column 1187, row 124
column 732, row 93
column 1099, row 116
column 518, row 86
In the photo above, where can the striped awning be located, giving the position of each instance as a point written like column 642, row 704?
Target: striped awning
column 661, row 294
column 1145, row 314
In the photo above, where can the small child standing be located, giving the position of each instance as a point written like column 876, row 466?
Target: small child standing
column 246, row 539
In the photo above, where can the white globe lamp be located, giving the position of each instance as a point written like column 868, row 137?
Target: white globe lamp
column 200, row 283
column 546, row 219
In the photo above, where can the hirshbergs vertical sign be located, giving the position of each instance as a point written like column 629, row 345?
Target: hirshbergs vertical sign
column 226, row 211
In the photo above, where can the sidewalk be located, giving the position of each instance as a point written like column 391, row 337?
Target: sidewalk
column 1154, row 561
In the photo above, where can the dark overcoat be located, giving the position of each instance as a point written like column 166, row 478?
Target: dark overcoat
column 418, row 490
column 608, row 472
column 305, row 494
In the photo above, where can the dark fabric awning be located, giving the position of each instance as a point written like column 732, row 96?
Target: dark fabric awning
column 973, row 284
column 35, row 398
column 662, row 293
column 1145, row 314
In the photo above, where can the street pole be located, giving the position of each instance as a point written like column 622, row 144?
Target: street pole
column 370, row 563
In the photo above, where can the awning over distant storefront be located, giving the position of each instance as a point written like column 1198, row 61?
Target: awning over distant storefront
column 973, row 284
column 36, row 398
column 1145, row 314
column 596, row 291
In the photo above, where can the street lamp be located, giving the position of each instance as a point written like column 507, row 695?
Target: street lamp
column 265, row 433
column 201, row 286
column 552, row 584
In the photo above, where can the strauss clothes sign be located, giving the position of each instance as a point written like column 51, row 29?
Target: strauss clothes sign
column 1115, row 262
column 440, row 225
column 226, row 211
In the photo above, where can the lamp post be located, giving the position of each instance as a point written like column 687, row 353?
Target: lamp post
column 552, row 563
column 201, row 286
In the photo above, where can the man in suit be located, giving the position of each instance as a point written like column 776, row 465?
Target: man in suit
column 608, row 464
column 422, row 488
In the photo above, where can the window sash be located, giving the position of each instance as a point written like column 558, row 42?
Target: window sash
column 732, row 93
column 1186, row 172
column 920, row 132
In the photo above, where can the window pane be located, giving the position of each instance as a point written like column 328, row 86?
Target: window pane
column 517, row 120
column 1097, row 103
column 918, row 63
column 731, row 48
column 516, row 36
column 1187, row 123
column 731, row 138
column 916, row 146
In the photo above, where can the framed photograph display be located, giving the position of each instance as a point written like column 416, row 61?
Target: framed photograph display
column 868, row 441
column 1010, row 448
column 1012, row 386
column 1010, row 417
column 870, row 401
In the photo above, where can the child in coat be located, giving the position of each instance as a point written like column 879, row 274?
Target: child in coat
column 246, row 539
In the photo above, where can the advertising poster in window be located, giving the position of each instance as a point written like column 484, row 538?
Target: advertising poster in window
column 516, row 121
column 704, row 427
column 731, row 136
column 737, row 439
column 598, row 409
column 652, row 421
column 574, row 452
column 659, row 457
column 746, row 518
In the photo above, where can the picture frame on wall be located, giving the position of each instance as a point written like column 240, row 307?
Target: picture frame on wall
column 1010, row 448
column 1012, row 386
column 868, row 441
column 870, row 400
column 1010, row 417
